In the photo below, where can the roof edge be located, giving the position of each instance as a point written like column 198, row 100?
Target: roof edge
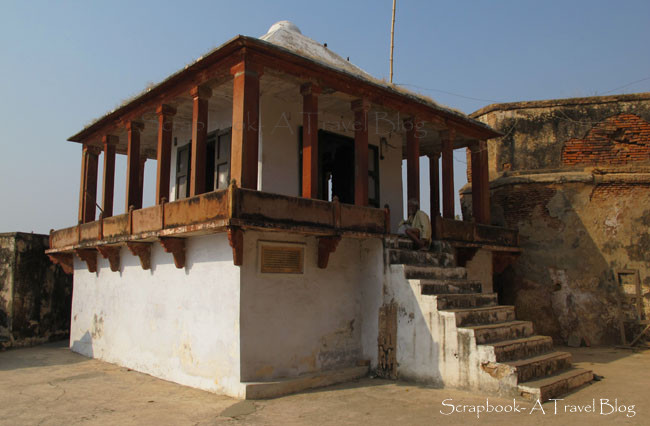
column 508, row 106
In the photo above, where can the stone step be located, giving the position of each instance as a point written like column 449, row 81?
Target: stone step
column 463, row 301
column 555, row 385
column 484, row 316
column 435, row 287
column 501, row 331
column 541, row 365
column 434, row 272
column 508, row 350
column 418, row 257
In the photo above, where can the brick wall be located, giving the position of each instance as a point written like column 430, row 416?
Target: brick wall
column 618, row 140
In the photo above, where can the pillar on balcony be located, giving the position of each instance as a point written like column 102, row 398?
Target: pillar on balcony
column 108, row 185
column 360, row 108
column 480, row 183
column 310, row 94
column 448, row 137
column 133, row 193
column 88, row 184
column 245, row 124
column 143, row 160
column 200, row 96
column 434, row 184
column 412, row 160
column 164, row 151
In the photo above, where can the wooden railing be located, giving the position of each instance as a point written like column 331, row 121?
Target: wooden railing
column 218, row 210
column 471, row 232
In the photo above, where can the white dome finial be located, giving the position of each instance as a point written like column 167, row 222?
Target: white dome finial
column 287, row 25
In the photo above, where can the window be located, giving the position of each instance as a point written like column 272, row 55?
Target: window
column 222, row 159
column 373, row 176
column 183, row 164
column 217, row 171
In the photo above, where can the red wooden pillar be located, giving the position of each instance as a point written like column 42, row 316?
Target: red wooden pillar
column 434, row 184
column 88, row 185
column 360, row 108
column 412, row 161
column 448, row 173
column 164, row 151
column 245, row 124
column 310, row 94
column 109, row 141
column 200, row 96
column 143, row 160
column 133, row 194
column 480, row 183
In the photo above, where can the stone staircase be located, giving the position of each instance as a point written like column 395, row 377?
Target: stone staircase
column 482, row 345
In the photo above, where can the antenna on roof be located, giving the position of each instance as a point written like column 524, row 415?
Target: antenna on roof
column 392, row 38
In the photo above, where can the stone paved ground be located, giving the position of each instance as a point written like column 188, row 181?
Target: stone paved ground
column 49, row 385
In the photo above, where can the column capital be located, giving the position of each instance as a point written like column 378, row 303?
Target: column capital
column 134, row 126
column 201, row 92
column 307, row 89
column 91, row 149
column 360, row 105
column 434, row 156
column 477, row 146
column 449, row 134
column 110, row 139
column 166, row 110
column 247, row 67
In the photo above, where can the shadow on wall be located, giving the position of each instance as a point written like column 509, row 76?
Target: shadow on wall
column 572, row 240
column 83, row 346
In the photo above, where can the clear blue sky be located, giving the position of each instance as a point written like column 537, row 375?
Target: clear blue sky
column 66, row 63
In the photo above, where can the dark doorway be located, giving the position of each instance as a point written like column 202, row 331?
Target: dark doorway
column 336, row 167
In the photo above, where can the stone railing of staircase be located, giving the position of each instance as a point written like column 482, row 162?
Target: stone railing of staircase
column 475, row 342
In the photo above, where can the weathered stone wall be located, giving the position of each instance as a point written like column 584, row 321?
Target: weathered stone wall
column 574, row 177
column 35, row 295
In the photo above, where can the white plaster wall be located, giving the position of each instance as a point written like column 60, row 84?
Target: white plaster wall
column 180, row 325
column 420, row 334
column 371, row 281
column 296, row 324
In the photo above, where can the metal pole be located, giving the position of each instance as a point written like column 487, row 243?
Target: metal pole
column 392, row 38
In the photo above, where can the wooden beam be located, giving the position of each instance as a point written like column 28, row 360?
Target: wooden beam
column 245, row 124
column 480, row 183
column 200, row 96
column 448, row 173
column 310, row 94
column 112, row 253
column 360, row 108
column 377, row 94
column 133, row 195
column 236, row 241
column 326, row 246
column 89, row 256
column 175, row 246
column 213, row 66
column 108, row 186
column 164, row 151
column 412, row 160
column 434, row 184
column 88, row 185
column 143, row 251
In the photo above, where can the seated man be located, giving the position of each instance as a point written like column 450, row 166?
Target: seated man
column 418, row 225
